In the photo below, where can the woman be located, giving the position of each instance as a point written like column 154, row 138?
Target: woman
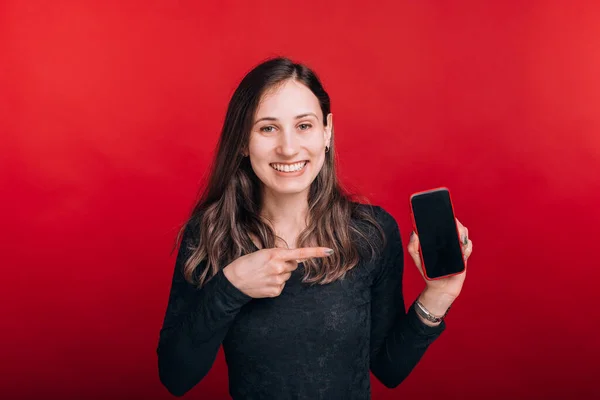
column 301, row 285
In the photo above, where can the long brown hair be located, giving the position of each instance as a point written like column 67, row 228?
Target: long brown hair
column 228, row 210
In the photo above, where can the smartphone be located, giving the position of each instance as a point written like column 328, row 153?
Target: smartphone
column 433, row 220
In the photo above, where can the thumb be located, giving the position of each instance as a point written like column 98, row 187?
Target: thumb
column 413, row 243
column 413, row 249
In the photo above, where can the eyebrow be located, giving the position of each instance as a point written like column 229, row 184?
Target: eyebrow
column 297, row 117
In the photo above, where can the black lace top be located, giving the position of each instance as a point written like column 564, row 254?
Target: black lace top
column 311, row 342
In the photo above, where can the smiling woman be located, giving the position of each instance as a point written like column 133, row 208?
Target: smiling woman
column 300, row 284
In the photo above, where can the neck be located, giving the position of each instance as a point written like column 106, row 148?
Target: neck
column 286, row 212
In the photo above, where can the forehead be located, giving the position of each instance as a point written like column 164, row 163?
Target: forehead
column 288, row 100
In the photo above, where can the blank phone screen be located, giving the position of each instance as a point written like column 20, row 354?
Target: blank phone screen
column 436, row 227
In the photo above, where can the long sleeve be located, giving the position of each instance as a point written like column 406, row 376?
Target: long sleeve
column 195, row 325
column 398, row 337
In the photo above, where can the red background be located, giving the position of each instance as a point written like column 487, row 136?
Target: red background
column 109, row 113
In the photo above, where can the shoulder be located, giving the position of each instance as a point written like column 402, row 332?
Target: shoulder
column 189, row 236
column 383, row 218
column 380, row 232
column 388, row 252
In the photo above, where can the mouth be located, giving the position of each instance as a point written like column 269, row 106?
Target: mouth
column 293, row 167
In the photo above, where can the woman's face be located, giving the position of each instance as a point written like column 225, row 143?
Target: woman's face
column 288, row 139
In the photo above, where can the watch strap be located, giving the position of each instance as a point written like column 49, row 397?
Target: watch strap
column 424, row 312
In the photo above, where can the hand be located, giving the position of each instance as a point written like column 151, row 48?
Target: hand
column 265, row 272
column 448, row 288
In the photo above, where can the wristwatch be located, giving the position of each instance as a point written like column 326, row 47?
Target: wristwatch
column 423, row 312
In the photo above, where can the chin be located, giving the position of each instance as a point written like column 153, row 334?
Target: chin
column 289, row 190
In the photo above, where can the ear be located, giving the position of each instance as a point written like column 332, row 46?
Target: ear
column 328, row 130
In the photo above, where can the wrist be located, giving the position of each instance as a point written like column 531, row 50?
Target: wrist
column 230, row 275
column 435, row 302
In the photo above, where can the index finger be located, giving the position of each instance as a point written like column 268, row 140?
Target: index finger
column 304, row 253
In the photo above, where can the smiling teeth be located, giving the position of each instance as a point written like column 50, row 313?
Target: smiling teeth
column 289, row 168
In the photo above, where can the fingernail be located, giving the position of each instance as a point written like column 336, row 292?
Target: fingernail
column 329, row 252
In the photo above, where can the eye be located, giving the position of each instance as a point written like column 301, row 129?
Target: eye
column 265, row 129
column 307, row 126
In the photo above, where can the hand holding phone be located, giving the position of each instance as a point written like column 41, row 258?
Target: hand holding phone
column 441, row 252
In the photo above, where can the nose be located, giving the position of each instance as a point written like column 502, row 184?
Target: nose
column 287, row 145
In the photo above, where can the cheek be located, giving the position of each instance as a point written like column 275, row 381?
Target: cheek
column 259, row 151
column 317, row 161
column 317, row 151
column 257, row 148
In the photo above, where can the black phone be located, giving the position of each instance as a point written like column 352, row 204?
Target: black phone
column 434, row 222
